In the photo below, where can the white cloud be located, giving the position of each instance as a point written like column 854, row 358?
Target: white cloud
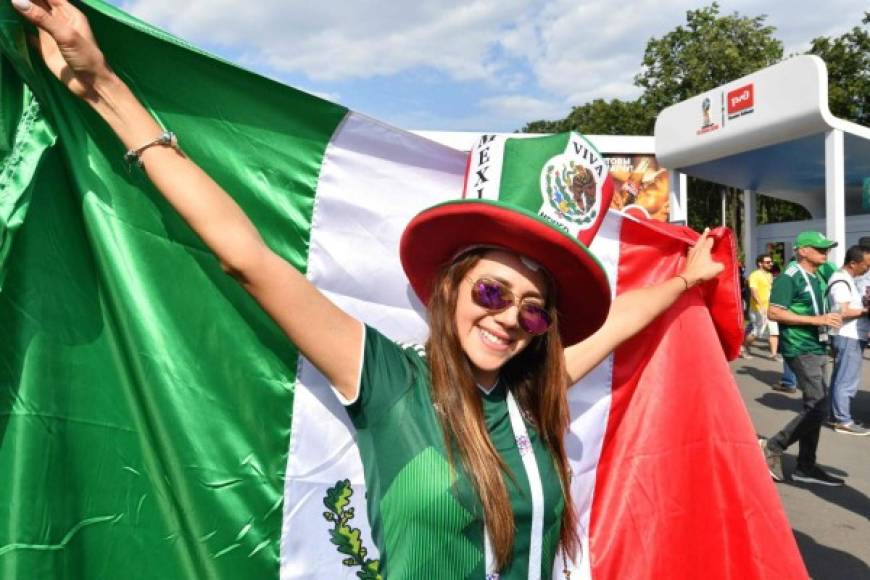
column 330, row 41
column 523, row 107
column 592, row 50
column 538, row 56
column 498, row 113
column 587, row 50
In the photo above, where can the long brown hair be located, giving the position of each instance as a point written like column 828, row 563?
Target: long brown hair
column 539, row 381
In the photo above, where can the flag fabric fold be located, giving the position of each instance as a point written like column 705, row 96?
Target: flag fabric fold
column 145, row 400
column 154, row 423
column 26, row 136
column 680, row 487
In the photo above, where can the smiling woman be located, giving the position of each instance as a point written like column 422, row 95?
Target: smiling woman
column 464, row 439
column 480, row 355
column 490, row 330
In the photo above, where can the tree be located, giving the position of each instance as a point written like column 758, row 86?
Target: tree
column 599, row 117
column 770, row 210
column 848, row 60
column 708, row 51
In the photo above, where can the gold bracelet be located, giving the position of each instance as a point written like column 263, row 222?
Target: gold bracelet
column 686, row 282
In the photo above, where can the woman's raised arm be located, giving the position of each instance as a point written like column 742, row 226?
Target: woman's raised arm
column 633, row 311
column 324, row 333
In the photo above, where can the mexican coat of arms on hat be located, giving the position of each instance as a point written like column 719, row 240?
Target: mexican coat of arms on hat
column 562, row 178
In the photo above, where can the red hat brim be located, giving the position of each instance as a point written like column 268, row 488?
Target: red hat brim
column 438, row 234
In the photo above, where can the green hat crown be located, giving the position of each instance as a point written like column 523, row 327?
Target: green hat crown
column 812, row 239
column 561, row 178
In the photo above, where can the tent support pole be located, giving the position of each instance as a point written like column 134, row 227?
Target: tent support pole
column 749, row 225
column 835, row 194
column 679, row 209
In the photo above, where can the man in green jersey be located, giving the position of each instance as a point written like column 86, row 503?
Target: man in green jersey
column 797, row 303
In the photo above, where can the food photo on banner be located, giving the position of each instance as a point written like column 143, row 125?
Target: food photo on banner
column 640, row 185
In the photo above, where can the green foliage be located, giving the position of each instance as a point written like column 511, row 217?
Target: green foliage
column 705, row 204
column 708, row 51
column 600, row 117
column 346, row 538
column 705, row 208
column 848, row 60
column 770, row 210
column 338, row 497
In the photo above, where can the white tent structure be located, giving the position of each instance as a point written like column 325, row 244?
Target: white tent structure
column 771, row 132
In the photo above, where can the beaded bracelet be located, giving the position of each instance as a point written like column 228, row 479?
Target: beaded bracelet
column 166, row 139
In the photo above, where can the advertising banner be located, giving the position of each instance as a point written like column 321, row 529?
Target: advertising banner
column 639, row 184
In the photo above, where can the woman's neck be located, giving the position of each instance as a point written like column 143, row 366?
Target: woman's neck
column 488, row 390
column 486, row 380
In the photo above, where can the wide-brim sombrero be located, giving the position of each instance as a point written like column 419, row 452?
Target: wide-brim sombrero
column 437, row 235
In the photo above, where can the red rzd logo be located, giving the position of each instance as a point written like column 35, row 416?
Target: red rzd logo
column 741, row 99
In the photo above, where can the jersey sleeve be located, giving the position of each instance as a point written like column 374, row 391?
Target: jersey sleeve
column 782, row 292
column 387, row 372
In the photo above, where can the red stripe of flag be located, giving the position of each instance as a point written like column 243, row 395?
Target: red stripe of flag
column 682, row 490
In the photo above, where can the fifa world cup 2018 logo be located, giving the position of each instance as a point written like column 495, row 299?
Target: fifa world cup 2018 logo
column 705, row 107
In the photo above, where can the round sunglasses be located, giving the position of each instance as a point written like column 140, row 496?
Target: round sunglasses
column 496, row 297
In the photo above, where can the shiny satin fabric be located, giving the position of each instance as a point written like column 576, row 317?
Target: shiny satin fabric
column 145, row 399
column 24, row 136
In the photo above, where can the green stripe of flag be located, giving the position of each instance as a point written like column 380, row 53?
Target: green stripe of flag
column 24, row 137
column 532, row 156
column 523, row 162
column 145, row 399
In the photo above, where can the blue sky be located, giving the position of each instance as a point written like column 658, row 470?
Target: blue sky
column 472, row 65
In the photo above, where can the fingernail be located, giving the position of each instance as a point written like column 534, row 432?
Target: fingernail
column 23, row 5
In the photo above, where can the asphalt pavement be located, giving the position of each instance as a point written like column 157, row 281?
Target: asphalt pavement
column 831, row 524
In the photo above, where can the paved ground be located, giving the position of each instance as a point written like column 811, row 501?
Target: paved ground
column 831, row 525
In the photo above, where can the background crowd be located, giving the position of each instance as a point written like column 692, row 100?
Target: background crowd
column 813, row 315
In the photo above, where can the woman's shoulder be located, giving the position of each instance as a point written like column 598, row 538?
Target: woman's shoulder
column 377, row 341
column 413, row 348
column 390, row 371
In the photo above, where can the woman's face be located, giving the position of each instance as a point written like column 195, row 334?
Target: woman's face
column 491, row 339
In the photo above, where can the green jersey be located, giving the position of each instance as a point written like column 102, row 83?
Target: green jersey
column 426, row 518
column 790, row 291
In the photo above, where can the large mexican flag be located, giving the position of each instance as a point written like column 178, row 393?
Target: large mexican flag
column 154, row 423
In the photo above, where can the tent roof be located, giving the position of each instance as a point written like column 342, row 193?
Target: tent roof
column 765, row 132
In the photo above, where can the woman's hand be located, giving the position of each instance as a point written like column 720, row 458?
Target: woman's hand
column 700, row 265
column 633, row 311
column 329, row 337
column 67, row 45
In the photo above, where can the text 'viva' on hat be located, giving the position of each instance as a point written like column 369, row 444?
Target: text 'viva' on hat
column 541, row 197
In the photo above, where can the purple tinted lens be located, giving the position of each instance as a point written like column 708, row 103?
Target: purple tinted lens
column 495, row 296
column 490, row 295
column 534, row 319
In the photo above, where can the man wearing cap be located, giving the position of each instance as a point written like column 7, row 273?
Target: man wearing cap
column 797, row 303
column 843, row 297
